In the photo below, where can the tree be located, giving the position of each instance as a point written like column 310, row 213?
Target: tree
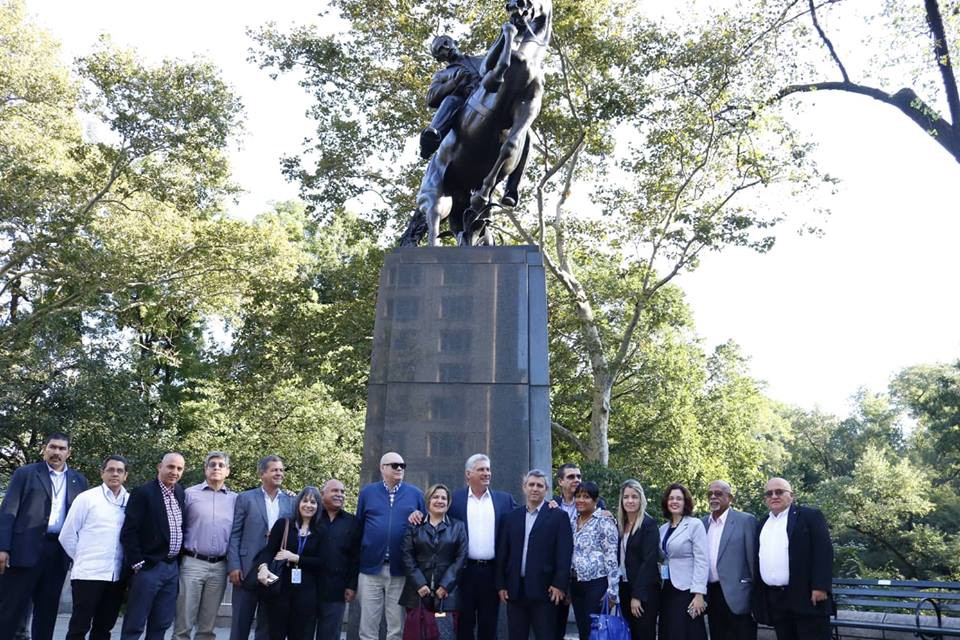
column 634, row 112
column 897, row 25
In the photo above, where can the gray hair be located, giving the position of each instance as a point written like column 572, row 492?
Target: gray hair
column 265, row 461
column 474, row 459
column 534, row 473
column 216, row 454
column 636, row 486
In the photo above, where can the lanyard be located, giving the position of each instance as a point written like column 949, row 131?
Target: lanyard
column 301, row 543
column 53, row 484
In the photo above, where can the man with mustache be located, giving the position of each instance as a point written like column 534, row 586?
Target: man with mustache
column 33, row 565
column 338, row 584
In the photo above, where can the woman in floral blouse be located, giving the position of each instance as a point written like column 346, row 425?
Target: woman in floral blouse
column 596, row 571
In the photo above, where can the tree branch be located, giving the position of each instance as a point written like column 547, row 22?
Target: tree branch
column 826, row 41
column 942, row 53
column 568, row 436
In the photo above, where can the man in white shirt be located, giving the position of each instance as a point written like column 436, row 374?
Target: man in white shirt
column 731, row 542
column 91, row 537
column 794, row 568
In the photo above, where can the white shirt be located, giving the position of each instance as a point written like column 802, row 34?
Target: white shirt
column 530, row 521
column 91, row 534
column 273, row 508
column 58, row 498
column 713, row 542
column 480, row 526
column 775, row 550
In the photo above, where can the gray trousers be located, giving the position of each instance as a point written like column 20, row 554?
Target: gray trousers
column 202, row 585
column 379, row 595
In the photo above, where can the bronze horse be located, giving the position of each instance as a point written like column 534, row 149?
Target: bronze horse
column 488, row 138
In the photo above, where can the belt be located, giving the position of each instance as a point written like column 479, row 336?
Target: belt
column 479, row 563
column 775, row 587
column 200, row 556
column 170, row 559
column 51, row 536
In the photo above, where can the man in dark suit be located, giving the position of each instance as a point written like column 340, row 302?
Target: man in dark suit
column 794, row 567
column 732, row 542
column 534, row 551
column 254, row 515
column 341, row 540
column 152, row 537
column 33, row 565
column 482, row 509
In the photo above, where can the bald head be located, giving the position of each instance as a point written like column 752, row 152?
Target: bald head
column 170, row 469
column 778, row 495
column 391, row 468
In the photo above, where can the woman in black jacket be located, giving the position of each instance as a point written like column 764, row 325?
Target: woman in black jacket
column 639, row 575
column 293, row 607
column 433, row 554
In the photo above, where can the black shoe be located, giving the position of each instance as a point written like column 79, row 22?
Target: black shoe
column 429, row 142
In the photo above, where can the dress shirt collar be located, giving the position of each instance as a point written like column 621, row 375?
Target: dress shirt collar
column 54, row 472
column 120, row 499
column 722, row 520
column 165, row 490
column 535, row 511
column 267, row 495
column 396, row 487
column 204, row 487
column 483, row 496
column 783, row 514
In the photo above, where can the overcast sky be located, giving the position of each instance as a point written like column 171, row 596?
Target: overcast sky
column 818, row 317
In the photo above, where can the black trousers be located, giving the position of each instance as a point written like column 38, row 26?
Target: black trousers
column 537, row 614
column 586, row 598
column 560, row 624
column 675, row 622
column 724, row 624
column 40, row 584
column 96, row 606
column 644, row 627
column 293, row 612
column 479, row 604
column 791, row 626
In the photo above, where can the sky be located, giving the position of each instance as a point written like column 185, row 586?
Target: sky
column 819, row 317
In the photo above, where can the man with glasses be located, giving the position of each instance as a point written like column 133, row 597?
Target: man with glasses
column 203, row 569
column 382, row 512
column 91, row 537
column 794, row 567
column 732, row 549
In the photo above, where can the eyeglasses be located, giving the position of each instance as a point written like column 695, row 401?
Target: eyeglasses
column 775, row 492
column 396, row 466
column 573, row 476
column 217, row 465
column 715, row 494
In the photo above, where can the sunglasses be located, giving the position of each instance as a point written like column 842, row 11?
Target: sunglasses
column 715, row 494
column 774, row 492
column 396, row 466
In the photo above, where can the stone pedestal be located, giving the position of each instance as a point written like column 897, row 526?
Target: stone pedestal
column 459, row 364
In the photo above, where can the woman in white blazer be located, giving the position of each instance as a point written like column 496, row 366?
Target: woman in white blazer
column 684, row 568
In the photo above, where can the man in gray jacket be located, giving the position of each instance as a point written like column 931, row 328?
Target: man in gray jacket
column 254, row 514
column 731, row 539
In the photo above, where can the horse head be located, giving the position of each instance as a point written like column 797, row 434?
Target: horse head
column 532, row 15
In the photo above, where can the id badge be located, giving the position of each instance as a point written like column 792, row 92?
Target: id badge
column 665, row 571
column 295, row 576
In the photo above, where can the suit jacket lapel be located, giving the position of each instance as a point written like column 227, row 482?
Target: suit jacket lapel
column 44, row 474
column 726, row 533
column 791, row 521
column 258, row 501
column 73, row 487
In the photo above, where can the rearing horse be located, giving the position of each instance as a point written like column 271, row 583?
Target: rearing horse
column 490, row 133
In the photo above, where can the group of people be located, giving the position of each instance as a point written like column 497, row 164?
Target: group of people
column 295, row 562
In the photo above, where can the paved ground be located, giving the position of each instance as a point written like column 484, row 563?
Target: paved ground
column 223, row 633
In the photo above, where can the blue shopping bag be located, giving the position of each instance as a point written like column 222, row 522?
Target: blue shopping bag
column 608, row 625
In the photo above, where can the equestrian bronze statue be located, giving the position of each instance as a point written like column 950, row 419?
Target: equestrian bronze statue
column 488, row 110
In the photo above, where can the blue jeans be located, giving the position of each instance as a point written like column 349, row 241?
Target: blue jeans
column 152, row 601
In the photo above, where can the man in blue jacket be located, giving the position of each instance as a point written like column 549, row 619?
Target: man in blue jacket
column 33, row 565
column 382, row 512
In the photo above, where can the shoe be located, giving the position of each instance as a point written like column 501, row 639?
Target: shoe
column 429, row 142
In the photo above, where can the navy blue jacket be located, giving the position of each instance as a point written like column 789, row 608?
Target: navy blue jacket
column 26, row 510
column 145, row 535
column 549, row 553
column 503, row 503
column 382, row 525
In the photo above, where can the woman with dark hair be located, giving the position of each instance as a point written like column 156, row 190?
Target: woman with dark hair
column 684, row 568
column 433, row 554
column 639, row 574
column 596, row 572
column 293, row 608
